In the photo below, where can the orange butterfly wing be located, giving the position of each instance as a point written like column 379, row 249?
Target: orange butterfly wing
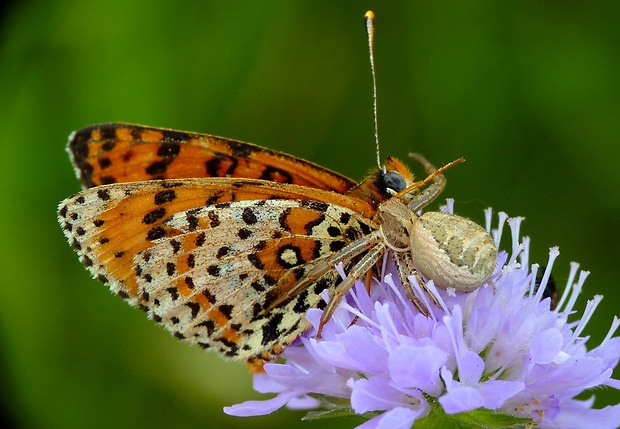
column 207, row 257
column 119, row 153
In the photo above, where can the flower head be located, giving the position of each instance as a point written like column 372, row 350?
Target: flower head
column 500, row 352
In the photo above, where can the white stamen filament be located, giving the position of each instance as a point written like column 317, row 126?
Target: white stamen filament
column 488, row 218
column 574, row 266
column 515, row 227
column 498, row 232
column 534, row 275
column 525, row 255
column 612, row 330
column 576, row 290
column 554, row 252
column 587, row 314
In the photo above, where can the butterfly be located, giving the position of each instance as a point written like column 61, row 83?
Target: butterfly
column 228, row 244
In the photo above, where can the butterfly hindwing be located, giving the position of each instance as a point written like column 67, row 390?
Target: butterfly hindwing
column 210, row 272
column 219, row 294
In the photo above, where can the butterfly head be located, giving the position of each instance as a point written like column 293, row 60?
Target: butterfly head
column 393, row 177
column 382, row 183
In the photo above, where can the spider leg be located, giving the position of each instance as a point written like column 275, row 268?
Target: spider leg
column 344, row 255
column 358, row 270
column 405, row 268
column 435, row 175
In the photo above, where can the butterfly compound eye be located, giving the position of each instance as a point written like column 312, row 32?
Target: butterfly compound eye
column 394, row 181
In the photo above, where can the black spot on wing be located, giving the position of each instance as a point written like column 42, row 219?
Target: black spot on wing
column 209, row 325
column 255, row 261
column 226, row 310
column 274, row 174
column 103, row 194
column 154, row 215
column 168, row 151
column 318, row 206
column 214, row 219
column 308, row 226
column 164, row 197
column 222, row 251
column 301, row 302
column 78, row 146
column 283, row 219
column 200, row 239
column 244, row 233
column 172, row 137
column 194, row 307
column 248, row 216
column 155, row 233
column 104, row 162
column 271, row 329
column 239, row 149
column 336, row 245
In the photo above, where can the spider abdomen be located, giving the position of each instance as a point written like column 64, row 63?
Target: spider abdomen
column 452, row 251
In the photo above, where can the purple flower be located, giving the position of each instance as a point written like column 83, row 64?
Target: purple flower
column 497, row 351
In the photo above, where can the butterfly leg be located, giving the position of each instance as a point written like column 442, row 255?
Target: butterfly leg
column 368, row 280
column 358, row 271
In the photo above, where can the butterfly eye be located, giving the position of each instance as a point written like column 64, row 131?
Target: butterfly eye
column 394, row 181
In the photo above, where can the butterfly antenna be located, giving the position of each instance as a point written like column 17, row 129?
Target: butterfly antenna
column 370, row 30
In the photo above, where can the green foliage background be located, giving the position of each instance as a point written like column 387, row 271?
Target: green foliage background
column 528, row 92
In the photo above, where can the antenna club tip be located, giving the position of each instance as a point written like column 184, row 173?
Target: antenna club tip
column 370, row 15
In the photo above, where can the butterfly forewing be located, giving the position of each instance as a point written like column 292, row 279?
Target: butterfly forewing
column 118, row 153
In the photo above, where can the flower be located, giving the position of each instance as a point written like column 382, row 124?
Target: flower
column 500, row 352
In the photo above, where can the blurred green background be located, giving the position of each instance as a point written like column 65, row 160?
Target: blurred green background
column 528, row 92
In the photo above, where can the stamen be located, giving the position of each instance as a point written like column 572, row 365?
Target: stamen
column 404, row 301
column 525, row 255
column 422, row 295
column 488, row 219
column 554, row 252
column 448, row 207
column 587, row 314
column 515, row 254
column 360, row 315
column 384, row 265
column 574, row 266
column 612, row 330
column 576, row 290
column 515, row 226
column 447, row 320
column 433, row 289
column 498, row 232
column 534, row 274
